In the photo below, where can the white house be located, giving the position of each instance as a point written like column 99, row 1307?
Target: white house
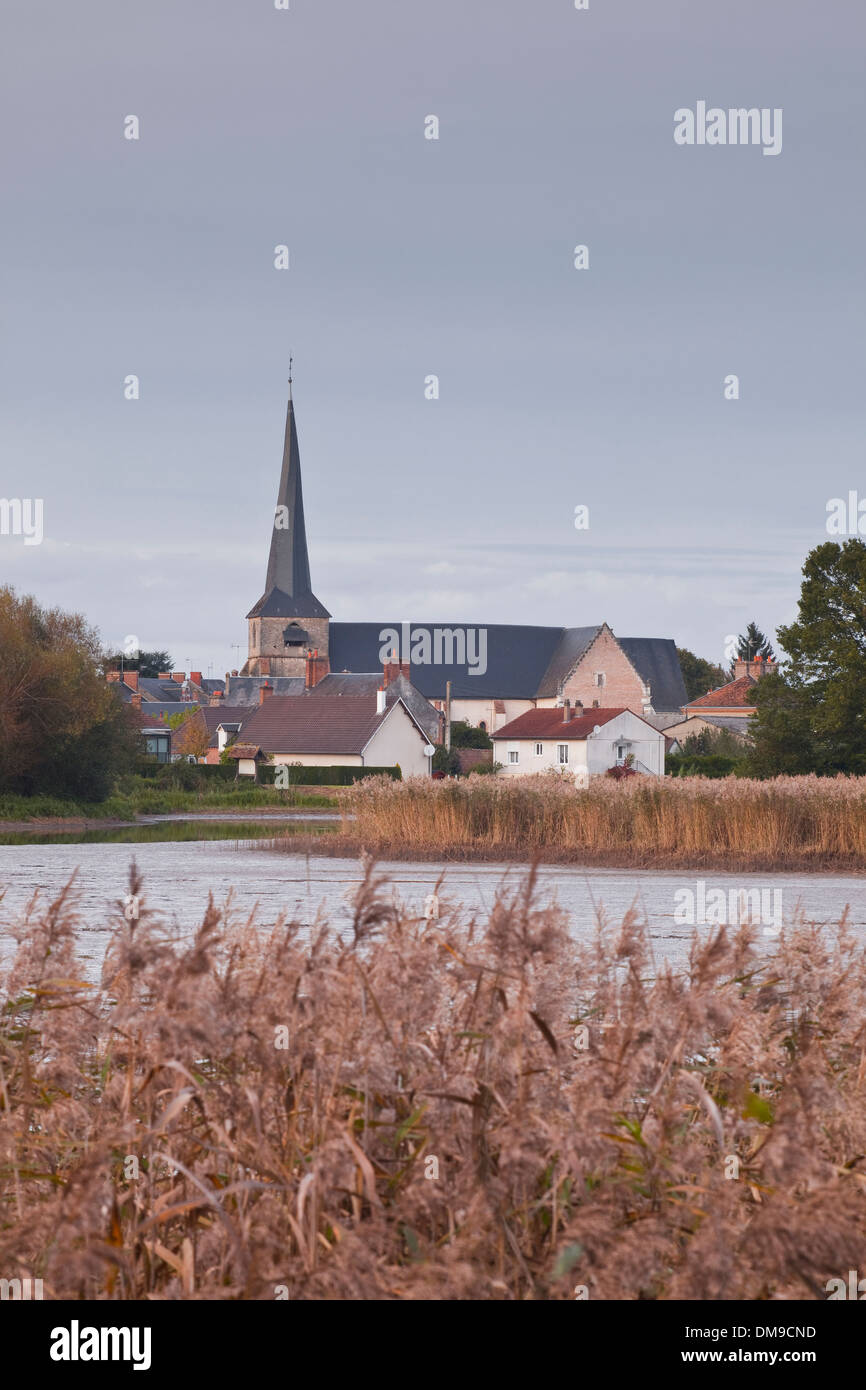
column 578, row 743
column 333, row 731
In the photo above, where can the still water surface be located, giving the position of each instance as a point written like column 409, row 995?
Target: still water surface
column 179, row 874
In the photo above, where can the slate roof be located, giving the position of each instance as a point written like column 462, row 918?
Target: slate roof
column 728, row 696
column 164, row 691
column 549, row 724
column 330, row 724
column 664, row 721
column 655, row 658
column 517, row 658
column 523, row 663
column 287, row 586
column 572, row 644
column 244, row 690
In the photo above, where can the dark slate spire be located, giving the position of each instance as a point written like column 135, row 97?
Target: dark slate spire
column 288, row 593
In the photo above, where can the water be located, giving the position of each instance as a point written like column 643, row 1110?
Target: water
column 178, row 875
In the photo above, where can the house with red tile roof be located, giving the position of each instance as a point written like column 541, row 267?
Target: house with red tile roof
column 578, row 743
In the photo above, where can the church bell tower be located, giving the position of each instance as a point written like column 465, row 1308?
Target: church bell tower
column 288, row 620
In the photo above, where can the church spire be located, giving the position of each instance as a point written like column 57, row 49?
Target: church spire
column 288, row 592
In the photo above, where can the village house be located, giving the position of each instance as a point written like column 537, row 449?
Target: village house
column 728, row 707
column 578, row 743
column 332, row 731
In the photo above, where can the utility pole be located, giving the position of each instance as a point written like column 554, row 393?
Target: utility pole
column 447, row 716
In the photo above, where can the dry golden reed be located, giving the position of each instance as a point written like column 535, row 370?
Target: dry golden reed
column 463, row 1109
column 736, row 822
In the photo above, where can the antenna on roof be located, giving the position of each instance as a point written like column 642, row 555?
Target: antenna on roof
column 291, row 360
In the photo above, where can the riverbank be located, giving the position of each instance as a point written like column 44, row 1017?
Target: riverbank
column 343, row 845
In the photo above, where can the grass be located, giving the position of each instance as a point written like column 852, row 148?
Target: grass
column 786, row 822
column 148, row 800
column 474, row 1109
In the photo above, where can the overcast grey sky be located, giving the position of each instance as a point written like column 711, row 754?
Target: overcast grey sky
column 411, row 257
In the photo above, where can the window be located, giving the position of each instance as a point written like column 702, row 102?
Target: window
column 483, row 726
column 539, row 749
column 599, row 677
column 620, row 751
column 513, row 756
column 562, row 752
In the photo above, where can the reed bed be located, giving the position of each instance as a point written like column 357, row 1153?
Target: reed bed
column 811, row 822
column 463, row 1108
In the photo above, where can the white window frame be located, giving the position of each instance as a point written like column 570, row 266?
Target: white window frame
column 539, row 749
column 513, row 756
column 599, row 678
column 562, row 753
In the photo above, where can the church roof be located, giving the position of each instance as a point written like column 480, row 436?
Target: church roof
column 657, row 662
column 522, row 663
column 288, row 592
column 516, row 659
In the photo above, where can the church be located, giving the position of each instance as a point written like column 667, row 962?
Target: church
column 496, row 671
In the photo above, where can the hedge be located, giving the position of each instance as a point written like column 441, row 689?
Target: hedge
column 327, row 776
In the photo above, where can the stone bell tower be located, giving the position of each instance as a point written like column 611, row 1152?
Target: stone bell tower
column 288, row 619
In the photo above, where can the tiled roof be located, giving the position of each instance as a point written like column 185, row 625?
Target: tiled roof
column 329, row 724
column 728, row 696
column 549, row 723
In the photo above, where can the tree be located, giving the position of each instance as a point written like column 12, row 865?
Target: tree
column 466, row 735
column 699, row 675
column 751, row 644
column 147, row 664
column 191, row 736
column 811, row 716
column 63, row 731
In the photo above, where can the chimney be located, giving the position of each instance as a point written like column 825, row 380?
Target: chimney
column 566, row 711
column 179, row 676
column 112, row 675
column 136, row 701
column 316, row 668
column 216, row 698
column 165, row 675
column 264, row 691
column 381, row 697
column 393, row 668
column 130, row 678
column 195, row 677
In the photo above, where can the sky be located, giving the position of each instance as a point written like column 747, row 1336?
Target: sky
column 409, row 258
